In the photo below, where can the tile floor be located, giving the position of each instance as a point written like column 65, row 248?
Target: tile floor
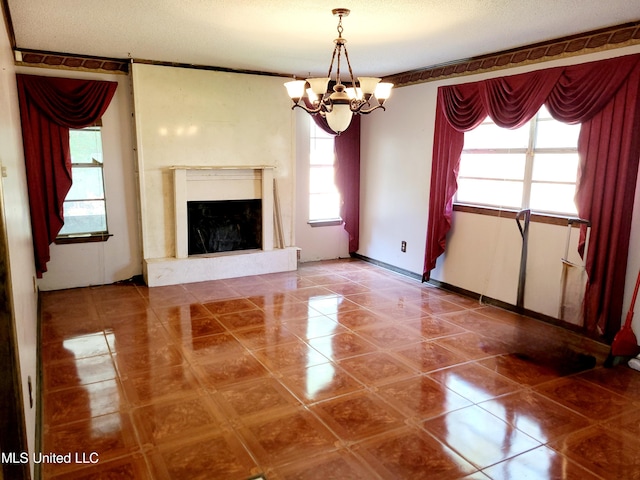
column 341, row 370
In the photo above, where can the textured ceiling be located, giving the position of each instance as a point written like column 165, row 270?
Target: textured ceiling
column 296, row 37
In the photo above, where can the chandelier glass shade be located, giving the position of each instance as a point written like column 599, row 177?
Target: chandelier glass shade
column 339, row 103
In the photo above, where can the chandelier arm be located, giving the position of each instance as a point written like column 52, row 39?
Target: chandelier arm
column 312, row 111
column 361, row 111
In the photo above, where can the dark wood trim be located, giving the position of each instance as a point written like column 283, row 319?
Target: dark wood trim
column 209, row 67
column 511, row 214
column 616, row 36
column 6, row 14
column 69, row 61
column 39, row 440
column 387, row 266
column 579, row 44
column 97, row 237
column 13, row 438
column 513, row 308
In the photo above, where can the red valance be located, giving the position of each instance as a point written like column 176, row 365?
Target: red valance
column 604, row 97
column 49, row 107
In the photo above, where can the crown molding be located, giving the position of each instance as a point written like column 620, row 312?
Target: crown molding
column 603, row 39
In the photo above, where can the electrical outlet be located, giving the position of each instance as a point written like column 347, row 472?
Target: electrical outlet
column 403, row 246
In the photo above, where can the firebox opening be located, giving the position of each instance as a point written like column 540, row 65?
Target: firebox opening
column 224, row 225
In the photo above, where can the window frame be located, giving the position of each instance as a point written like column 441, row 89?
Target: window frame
column 530, row 151
column 95, row 236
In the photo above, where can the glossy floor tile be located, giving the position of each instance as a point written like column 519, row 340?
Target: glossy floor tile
column 340, row 370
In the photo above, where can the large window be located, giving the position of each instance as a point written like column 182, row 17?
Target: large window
column 533, row 167
column 324, row 198
column 84, row 207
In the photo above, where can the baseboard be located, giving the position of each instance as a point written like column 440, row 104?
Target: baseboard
column 387, row 266
column 485, row 300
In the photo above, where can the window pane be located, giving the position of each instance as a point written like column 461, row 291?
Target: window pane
column 492, row 165
column 321, row 180
column 86, row 145
column 553, row 198
column 553, row 134
column 496, row 163
column 543, row 113
column 499, row 193
column 489, row 136
column 322, row 151
column 324, row 199
column 555, row 167
column 316, row 131
column 323, row 206
column 84, row 217
column 87, row 184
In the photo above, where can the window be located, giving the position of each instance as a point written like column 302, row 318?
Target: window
column 533, row 167
column 324, row 198
column 84, row 207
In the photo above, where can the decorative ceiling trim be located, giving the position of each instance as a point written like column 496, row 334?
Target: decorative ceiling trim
column 604, row 39
column 64, row 61
column 208, row 67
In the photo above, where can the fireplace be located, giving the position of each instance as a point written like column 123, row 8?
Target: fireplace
column 234, row 188
column 222, row 184
column 224, row 226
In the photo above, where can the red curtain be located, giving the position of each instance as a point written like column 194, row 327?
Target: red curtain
column 604, row 97
column 49, row 107
column 347, row 176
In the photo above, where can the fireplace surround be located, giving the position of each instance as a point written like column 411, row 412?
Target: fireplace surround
column 207, row 183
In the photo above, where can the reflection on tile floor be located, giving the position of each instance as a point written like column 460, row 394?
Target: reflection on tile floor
column 339, row 370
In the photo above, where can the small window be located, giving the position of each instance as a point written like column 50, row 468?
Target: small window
column 534, row 166
column 84, row 207
column 324, row 198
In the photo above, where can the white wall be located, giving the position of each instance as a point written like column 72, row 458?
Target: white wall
column 394, row 179
column 206, row 118
column 23, row 296
column 315, row 243
column 119, row 258
column 483, row 253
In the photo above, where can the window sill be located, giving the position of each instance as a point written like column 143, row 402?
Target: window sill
column 92, row 238
column 325, row 223
column 548, row 218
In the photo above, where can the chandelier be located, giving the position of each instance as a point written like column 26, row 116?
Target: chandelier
column 339, row 104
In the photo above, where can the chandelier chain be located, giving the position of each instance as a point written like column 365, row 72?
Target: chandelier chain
column 333, row 57
column 346, row 56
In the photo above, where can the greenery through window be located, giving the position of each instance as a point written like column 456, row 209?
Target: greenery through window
column 324, row 198
column 84, row 207
column 534, row 166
